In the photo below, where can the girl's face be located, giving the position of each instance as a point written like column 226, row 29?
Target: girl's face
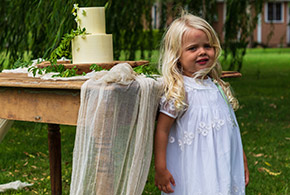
column 196, row 52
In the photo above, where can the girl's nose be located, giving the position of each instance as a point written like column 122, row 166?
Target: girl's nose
column 201, row 51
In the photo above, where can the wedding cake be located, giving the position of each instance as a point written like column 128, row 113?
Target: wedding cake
column 96, row 46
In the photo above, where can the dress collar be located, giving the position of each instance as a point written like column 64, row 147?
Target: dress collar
column 198, row 83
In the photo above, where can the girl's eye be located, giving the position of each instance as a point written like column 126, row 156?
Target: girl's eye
column 207, row 46
column 192, row 48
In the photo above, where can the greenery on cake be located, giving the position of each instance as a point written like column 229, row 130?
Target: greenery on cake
column 75, row 12
column 64, row 48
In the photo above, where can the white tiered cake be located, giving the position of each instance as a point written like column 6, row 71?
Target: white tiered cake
column 97, row 46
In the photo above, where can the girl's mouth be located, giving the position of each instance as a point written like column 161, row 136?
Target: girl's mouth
column 202, row 61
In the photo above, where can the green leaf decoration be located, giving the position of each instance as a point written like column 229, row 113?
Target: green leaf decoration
column 96, row 67
column 63, row 50
column 146, row 70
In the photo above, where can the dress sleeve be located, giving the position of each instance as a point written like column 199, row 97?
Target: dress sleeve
column 167, row 107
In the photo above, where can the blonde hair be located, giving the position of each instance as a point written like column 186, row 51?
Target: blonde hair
column 169, row 60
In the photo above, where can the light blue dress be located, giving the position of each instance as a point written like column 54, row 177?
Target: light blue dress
column 204, row 151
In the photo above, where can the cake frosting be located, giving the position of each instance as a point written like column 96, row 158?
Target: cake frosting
column 96, row 46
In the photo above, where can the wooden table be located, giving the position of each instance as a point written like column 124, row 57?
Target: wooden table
column 53, row 102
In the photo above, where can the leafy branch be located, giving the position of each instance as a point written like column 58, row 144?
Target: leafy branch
column 55, row 68
column 64, row 47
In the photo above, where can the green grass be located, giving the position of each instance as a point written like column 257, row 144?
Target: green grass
column 264, row 118
column 263, row 92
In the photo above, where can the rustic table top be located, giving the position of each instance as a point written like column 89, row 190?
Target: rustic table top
column 22, row 80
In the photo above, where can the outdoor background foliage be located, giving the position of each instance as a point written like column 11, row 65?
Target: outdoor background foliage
column 34, row 28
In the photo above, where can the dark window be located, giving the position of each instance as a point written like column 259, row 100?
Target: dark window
column 274, row 12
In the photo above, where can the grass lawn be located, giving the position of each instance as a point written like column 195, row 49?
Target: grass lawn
column 264, row 119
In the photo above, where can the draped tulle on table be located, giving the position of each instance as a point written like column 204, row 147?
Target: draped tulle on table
column 114, row 138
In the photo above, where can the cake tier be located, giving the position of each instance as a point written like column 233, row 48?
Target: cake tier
column 93, row 19
column 92, row 49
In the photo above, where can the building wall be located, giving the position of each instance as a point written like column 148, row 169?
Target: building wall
column 278, row 30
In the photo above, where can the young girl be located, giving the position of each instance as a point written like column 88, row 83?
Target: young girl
column 198, row 148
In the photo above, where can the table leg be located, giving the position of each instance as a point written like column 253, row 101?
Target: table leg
column 54, row 146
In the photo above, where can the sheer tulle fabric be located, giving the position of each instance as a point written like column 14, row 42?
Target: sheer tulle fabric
column 4, row 127
column 114, row 138
column 204, row 152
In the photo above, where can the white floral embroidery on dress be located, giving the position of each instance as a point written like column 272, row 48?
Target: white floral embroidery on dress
column 186, row 140
column 170, row 103
column 180, row 144
column 162, row 100
column 231, row 121
column 217, row 124
column 171, row 106
column 171, row 139
column 168, row 107
column 188, row 137
column 203, row 128
column 235, row 189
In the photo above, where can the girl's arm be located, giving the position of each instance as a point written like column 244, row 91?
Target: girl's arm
column 163, row 177
column 247, row 174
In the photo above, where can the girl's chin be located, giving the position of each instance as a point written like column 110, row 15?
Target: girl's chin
column 202, row 66
column 199, row 68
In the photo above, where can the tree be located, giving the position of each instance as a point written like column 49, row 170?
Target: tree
column 241, row 20
column 36, row 27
